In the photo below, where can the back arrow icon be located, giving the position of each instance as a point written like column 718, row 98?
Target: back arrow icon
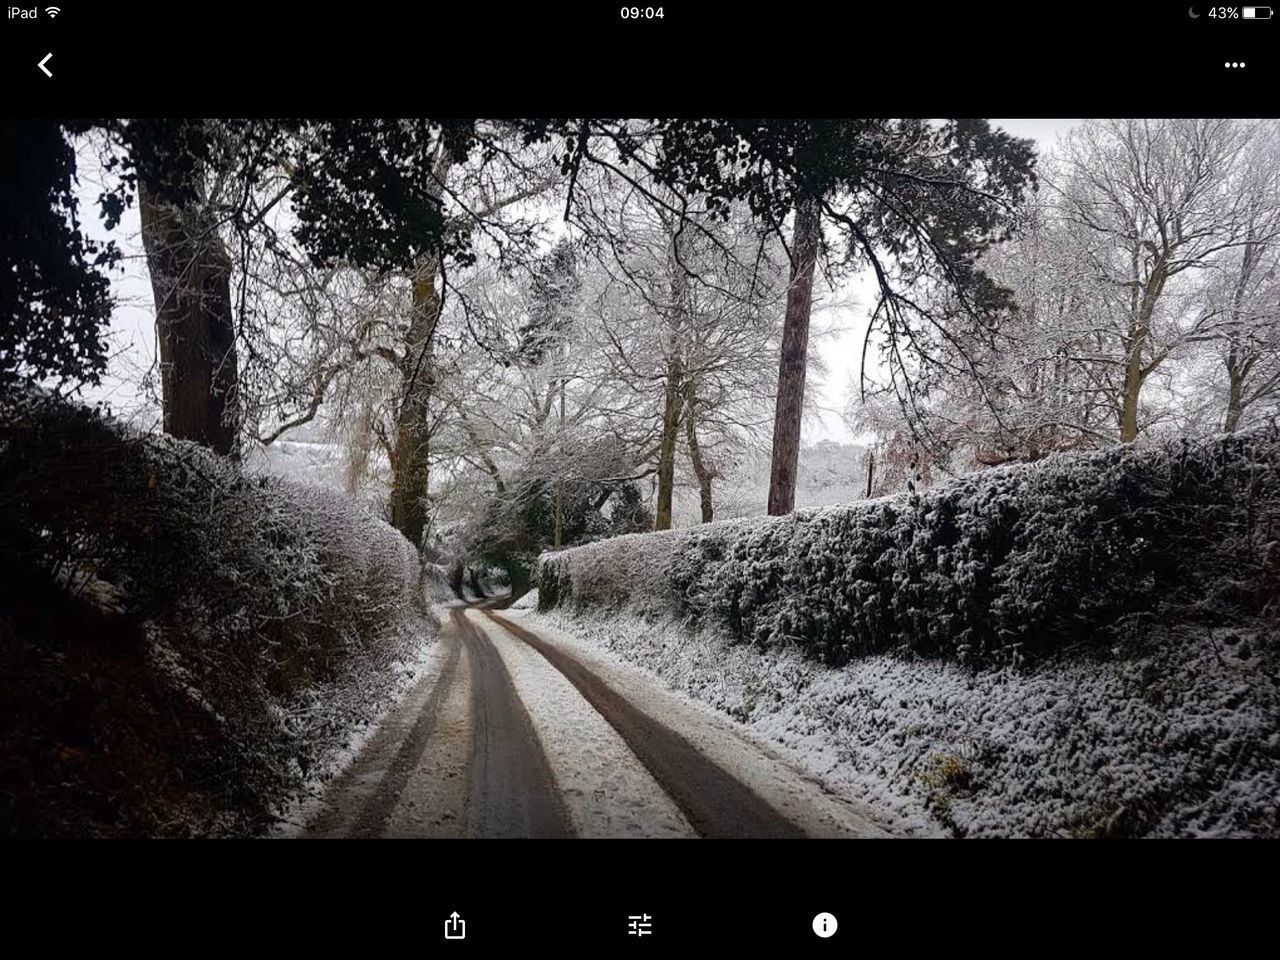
column 42, row 66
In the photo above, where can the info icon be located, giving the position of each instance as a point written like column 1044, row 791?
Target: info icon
column 824, row 925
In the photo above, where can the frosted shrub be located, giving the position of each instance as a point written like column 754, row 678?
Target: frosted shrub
column 995, row 564
column 258, row 619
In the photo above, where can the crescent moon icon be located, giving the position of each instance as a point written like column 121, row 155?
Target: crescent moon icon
column 1191, row 12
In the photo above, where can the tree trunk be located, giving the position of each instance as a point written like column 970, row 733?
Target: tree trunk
column 191, row 281
column 795, row 348
column 1129, row 399
column 1143, row 307
column 1237, row 365
column 704, row 473
column 667, row 448
column 359, row 448
column 871, row 470
column 674, row 398
column 1235, row 392
column 559, row 530
column 410, row 468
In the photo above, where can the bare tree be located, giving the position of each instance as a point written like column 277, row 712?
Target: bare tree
column 1154, row 200
column 689, row 315
column 1246, row 291
column 1151, row 253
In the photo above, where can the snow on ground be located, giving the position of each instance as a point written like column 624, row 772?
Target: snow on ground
column 605, row 789
column 1180, row 739
column 432, row 802
column 828, row 472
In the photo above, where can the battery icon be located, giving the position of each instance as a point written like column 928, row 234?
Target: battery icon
column 1256, row 13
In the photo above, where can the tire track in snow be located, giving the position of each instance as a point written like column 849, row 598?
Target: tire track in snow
column 714, row 802
column 605, row 789
column 512, row 791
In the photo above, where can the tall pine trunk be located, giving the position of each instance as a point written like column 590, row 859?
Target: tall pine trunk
column 191, row 281
column 795, row 349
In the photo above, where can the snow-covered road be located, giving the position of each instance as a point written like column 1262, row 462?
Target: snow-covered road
column 517, row 733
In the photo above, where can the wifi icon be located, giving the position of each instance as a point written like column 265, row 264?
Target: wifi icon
column 52, row 12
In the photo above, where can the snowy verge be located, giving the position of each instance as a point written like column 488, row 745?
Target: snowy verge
column 771, row 773
column 526, row 602
column 1177, row 736
column 423, row 660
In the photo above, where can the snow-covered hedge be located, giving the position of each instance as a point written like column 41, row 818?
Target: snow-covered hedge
column 990, row 567
column 258, row 620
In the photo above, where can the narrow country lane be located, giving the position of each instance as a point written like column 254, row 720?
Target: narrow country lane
column 520, row 732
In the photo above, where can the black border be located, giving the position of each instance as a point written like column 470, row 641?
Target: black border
column 736, row 898
column 704, row 58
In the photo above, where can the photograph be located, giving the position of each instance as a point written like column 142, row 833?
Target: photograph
column 370, row 472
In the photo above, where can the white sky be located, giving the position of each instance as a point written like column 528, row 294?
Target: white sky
column 132, row 337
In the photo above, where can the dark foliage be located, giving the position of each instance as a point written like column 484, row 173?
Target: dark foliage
column 367, row 193
column 519, row 523
column 554, row 283
column 54, row 291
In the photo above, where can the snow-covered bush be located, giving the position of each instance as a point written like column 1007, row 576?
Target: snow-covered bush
column 260, row 619
column 991, row 567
